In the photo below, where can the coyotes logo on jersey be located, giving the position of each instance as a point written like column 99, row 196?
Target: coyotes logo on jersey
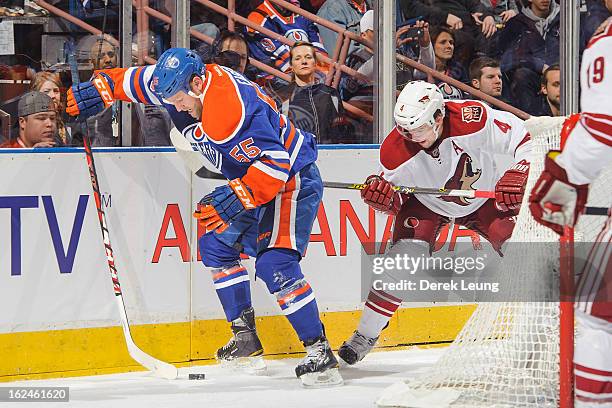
column 464, row 178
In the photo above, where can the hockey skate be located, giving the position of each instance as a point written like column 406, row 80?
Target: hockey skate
column 319, row 368
column 244, row 350
column 356, row 348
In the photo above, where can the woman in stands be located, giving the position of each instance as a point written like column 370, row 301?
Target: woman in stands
column 312, row 105
column 49, row 83
column 443, row 41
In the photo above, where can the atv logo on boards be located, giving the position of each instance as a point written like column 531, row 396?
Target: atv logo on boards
column 471, row 114
column 65, row 245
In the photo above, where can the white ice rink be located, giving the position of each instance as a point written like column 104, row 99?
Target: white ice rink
column 226, row 389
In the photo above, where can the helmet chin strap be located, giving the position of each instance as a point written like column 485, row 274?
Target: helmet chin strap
column 436, row 129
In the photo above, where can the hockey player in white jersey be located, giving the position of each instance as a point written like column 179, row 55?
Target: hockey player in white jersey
column 558, row 199
column 440, row 144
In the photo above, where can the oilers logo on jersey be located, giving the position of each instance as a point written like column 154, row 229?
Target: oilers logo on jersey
column 199, row 142
column 297, row 35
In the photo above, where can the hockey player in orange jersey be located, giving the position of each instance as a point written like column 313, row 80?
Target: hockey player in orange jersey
column 266, row 209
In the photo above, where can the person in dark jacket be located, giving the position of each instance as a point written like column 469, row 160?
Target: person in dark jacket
column 527, row 46
column 474, row 32
column 309, row 103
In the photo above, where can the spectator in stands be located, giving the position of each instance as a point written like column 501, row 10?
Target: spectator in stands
column 362, row 59
column 50, row 84
column 486, row 76
column 527, row 46
column 309, row 103
column 436, row 16
column 443, row 41
column 472, row 23
column 294, row 27
column 417, row 48
column 233, row 51
column 345, row 13
column 103, row 128
column 503, row 10
column 37, row 122
column 150, row 124
column 596, row 13
column 103, row 53
column 550, row 101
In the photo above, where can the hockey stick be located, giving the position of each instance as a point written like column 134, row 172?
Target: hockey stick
column 159, row 368
column 199, row 165
column 449, row 193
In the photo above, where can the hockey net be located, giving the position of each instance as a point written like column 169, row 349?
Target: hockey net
column 508, row 354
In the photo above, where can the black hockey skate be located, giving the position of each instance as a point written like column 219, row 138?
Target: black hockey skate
column 356, row 348
column 319, row 368
column 244, row 350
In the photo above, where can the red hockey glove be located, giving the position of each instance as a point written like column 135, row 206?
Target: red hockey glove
column 379, row 194
column 554, row 201
column 510, row 187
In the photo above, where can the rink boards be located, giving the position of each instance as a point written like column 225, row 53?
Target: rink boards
column 58, row 315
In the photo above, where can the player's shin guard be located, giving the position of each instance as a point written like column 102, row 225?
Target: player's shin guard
column 233, row 289
column 379, row 308
column 300, row 307
column 279, row 268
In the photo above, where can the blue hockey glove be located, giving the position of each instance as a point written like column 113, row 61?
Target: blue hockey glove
column 226, row 203
column 89, row 98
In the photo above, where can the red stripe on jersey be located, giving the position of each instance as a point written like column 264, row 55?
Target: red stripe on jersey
column 593, row 370
column 599, row 126
column 263, row 186
column 525, row 140
column 222, row 105
column 593, row 386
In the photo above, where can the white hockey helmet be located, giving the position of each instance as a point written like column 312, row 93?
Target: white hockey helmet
column 416, row 106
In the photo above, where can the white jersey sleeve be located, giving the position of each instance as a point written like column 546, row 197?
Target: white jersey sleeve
column 508, row 135
column 588, row 148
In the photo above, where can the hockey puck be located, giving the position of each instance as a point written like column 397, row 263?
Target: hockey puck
column 197, row 376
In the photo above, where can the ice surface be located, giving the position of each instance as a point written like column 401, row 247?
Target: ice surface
column 224, row 388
